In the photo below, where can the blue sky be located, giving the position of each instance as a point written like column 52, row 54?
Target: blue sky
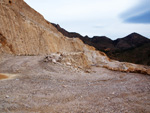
column 111, row 18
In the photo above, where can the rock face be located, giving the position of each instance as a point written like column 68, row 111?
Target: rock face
column 4, row 47
column 24, row 31
column 73, row 59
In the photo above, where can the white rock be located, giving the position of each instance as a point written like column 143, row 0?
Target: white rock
column 53, row 60
column 113, row 93
column 7, row 96
column 68, row 63
column 125, row 67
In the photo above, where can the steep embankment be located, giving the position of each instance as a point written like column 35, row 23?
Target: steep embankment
column 25, row 32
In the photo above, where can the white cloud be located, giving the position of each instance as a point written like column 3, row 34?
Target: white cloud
column 91, row 17
column 80, row 9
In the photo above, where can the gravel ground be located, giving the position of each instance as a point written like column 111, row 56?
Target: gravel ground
column 34, row 86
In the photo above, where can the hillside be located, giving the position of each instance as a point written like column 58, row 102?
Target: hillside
column 130, row 48
column 24, row 31
column 138, row 55
column 131, row 41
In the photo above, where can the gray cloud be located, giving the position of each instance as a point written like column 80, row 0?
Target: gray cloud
column 143, row 18
column 138, row 14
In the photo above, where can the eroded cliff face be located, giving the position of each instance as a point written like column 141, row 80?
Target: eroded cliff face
column 28, row 33
column 23, row 31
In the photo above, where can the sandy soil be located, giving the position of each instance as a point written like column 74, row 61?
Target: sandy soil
column 3, row 76
column 44, row 87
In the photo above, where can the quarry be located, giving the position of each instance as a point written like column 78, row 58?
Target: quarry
column 43, row 71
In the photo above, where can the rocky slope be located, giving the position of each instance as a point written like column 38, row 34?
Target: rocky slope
column 130, row 48
column 119, row 49
column 24, row 31
column 131, row 41
column 132, row 55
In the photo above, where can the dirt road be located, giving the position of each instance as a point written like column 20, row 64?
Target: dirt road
column 41, row 87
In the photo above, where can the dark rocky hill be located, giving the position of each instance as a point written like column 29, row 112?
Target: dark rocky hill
column 133, row 48
column 131, row 41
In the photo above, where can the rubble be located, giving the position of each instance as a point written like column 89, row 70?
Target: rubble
column 54, row 58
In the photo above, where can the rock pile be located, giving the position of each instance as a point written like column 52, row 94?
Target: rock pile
column 80, row 60
column 74, row 59
column 54, row 58
column 127, row 67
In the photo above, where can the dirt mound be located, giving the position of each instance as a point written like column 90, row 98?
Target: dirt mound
column 74, row 59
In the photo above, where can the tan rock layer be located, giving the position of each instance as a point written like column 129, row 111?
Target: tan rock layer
column 4, row 46
column 127, row 67
column 29, row 33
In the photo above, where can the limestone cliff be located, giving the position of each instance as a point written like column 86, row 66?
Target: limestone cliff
column 23, row 31
column 28, row 33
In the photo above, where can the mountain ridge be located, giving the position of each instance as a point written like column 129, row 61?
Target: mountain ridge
column 116, row 47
